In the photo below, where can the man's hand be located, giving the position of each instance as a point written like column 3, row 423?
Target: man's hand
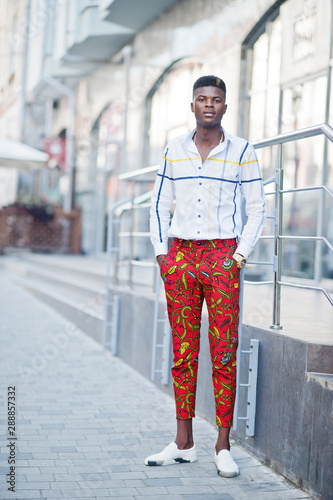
column 240, row 259
column 159, row 259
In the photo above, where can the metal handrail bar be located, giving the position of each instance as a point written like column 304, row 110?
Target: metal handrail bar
column 308, row 287
column 143, row 263
column 309, row 188
column 125, row 234
column 129, row 203
column 269, row 181
column 312, row 238
column 260, row 263
column 321, row 129
column 268, row 282
column 137, row 172
column 141, row 205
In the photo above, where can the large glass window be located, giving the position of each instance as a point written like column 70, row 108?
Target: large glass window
column 170, row 107
column 265, row 83
column 286, row 73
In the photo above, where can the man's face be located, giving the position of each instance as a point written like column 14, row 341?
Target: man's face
column 208, row 105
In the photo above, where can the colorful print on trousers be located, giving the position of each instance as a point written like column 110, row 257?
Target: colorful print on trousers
column 194, row 271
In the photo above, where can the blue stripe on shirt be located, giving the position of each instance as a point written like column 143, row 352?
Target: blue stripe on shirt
column 235, row 208
column 204, row 177
column 240, row 160
column 158, row 198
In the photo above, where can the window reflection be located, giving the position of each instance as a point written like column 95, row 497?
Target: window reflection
column 265, row 80
column 170, row 108
column 286, row 89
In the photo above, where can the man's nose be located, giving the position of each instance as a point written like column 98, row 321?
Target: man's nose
column 209, row 104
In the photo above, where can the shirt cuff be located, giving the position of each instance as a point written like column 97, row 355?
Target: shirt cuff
column 244, row 249
column 161, row 248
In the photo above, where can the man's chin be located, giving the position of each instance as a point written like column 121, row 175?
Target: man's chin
column 209, row 124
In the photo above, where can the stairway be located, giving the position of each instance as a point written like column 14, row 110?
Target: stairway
column 74, row 286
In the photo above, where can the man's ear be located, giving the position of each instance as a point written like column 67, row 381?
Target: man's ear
column 225, row 109
column 192, row 107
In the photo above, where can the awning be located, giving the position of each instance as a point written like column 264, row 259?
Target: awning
column 15, row 154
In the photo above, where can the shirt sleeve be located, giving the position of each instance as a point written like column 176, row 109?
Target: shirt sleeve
column 161, row 203
column 253, row 191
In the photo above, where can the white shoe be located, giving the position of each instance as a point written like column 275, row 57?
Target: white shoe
column 172, row 455
column 226, row 466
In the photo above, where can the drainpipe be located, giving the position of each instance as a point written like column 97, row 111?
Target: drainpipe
column 70, row 135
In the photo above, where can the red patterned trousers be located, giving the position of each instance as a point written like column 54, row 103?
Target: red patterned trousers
column 193, row 271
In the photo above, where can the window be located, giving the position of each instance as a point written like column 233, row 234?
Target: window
column 286, row 61
column 170, row 107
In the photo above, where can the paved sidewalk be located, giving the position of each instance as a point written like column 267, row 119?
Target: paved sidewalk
column 85, row 421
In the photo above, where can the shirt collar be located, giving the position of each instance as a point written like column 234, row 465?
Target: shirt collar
column 190, row 146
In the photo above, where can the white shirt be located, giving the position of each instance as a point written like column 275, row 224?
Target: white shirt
column 208, row 195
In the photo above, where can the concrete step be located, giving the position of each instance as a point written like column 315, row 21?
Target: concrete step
column 92, row 269
column 80, row 268
column 86, row 313
column 77, row 295
column 324, row 379
column 74, row 283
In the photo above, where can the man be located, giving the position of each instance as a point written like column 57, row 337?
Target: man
column 208, row 172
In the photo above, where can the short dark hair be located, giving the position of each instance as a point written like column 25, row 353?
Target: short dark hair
column 210, row 81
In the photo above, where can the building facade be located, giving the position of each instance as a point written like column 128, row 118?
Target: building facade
column 114, row 79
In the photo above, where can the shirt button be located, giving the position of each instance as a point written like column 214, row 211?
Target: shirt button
column 200, row 183
column 199, row 215
column 199, row 168
column 198, row 232
column 199, row 199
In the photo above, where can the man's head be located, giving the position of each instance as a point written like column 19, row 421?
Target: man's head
column 209, row 96
column 210, row 81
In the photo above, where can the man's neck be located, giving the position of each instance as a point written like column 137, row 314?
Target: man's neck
column 206, row 139
column 208, row 136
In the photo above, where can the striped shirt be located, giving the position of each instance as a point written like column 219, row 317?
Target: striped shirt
column 208, row 195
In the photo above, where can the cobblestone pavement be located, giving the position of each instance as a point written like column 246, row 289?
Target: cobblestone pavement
column 85, row 421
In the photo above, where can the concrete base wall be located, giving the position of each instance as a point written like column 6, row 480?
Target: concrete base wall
column 294, row 431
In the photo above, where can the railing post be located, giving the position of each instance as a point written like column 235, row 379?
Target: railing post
column 155, row 323
column 277, row 241
column 116, row 255
column 131, row 245
column 318, row 263
column 239, row 350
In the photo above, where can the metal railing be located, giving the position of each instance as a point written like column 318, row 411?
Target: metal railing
column 130, row 205
column 278, row 237
column 277, row 262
